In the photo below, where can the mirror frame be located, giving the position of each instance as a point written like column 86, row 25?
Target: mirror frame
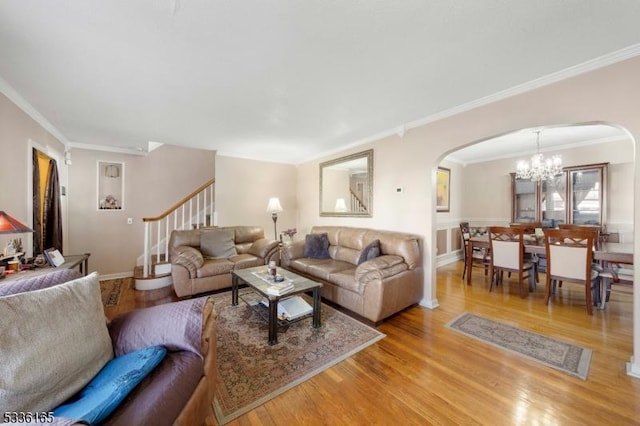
column 368, row 154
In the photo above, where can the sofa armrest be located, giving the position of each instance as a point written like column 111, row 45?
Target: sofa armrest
column 189, row 257
column 176, row 326
column 292, row 251
column 263, row 247
column 379, row 268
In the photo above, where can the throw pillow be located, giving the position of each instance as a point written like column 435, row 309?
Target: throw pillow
column 218, row 243
column 52, row 342
column 113, row 383
column 176, row 326
column 371, row 251
column 316, row 246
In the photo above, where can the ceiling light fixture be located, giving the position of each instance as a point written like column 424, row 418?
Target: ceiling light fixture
column 539, row 168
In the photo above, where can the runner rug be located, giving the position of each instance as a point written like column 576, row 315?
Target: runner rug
column 571, row 359
column 251, row 372
column 111, row 290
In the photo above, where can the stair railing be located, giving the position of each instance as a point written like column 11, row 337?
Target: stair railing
column 357, row 205
column 193, row 211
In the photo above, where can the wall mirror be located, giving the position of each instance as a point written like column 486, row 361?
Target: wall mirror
column 346, row 186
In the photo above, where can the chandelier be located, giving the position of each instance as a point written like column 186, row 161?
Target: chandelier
column 539, row 168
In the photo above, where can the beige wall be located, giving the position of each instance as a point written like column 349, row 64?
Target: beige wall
column 153, row 183
column 243, row 189
column 18, row 133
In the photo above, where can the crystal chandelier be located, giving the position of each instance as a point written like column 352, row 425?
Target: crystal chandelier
column 539, row 168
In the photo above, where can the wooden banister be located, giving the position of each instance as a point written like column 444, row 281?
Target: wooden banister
column 180, row 203
column 185, row 214
column 360, row 203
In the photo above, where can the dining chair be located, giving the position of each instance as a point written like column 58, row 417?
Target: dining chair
column 529, row 232
column 569, row 259
column 507, row 255
column 480, row 257
column 614, row 274
column 597, row 242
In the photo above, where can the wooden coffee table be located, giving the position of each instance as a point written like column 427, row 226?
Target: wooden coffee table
column 252, row 277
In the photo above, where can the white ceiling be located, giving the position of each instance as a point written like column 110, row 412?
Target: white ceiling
column 285, row 80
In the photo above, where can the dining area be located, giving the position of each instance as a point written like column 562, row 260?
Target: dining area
column 533, row 256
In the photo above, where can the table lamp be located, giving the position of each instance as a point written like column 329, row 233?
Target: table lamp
column 10, row 225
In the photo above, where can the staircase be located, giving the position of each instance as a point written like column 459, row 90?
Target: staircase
column 194, row 211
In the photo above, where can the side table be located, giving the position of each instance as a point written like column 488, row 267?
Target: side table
column 80, row 261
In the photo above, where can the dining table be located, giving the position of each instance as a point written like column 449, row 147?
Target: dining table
column 605, row 253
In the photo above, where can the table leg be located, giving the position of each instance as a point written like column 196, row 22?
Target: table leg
column 469, row 266
column 273, row 322
column 316, row 307
column 234, row 290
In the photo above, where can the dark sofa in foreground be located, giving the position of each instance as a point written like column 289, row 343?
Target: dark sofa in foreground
column 59, row 340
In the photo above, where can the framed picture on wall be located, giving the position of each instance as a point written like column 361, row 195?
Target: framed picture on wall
column 110, row 186
column 443, row 188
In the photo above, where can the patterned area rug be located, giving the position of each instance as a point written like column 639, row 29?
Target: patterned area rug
column 250, row 372
column 111, row 290
column 571, row 359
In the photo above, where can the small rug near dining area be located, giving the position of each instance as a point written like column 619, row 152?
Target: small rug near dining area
column 251, row 372
column 568, row 358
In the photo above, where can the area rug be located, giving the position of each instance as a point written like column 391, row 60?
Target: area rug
column 568, row 358
column 111, row 290
column 251, row 372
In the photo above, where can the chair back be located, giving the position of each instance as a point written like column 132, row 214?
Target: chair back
column 464, row 231
column 569, row 253
column 592, row 228
column 528, row 228
column 507, row 246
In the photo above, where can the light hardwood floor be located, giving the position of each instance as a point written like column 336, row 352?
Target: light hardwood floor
column 424, row 373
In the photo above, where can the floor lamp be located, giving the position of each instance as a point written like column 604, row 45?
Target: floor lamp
column 274, row 207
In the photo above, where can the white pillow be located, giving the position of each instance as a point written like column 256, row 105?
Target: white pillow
column 52, row 342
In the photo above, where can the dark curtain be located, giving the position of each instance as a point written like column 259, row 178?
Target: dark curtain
column 52, row 218
column 37, row 207
column 47, row 216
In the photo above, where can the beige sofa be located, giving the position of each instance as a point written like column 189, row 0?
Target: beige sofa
column 202, row 259
column 373, row 289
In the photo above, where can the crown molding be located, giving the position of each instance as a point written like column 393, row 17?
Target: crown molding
column 590, row 65
column 28, row 109
column 106, row 148
column 399, row 130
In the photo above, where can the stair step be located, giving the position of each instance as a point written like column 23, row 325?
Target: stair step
column 151, row 282
column 138, row 274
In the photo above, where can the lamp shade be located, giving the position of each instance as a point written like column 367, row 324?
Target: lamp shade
column 274, row 205
column 341, row 205
column 9, row 225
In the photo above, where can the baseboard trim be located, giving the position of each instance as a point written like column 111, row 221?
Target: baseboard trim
column 430, row 304
column 115, row 276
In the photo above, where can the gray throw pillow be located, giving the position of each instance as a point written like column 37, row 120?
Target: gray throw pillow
column 371, row 251
column 218, row 243
column 316, row 246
